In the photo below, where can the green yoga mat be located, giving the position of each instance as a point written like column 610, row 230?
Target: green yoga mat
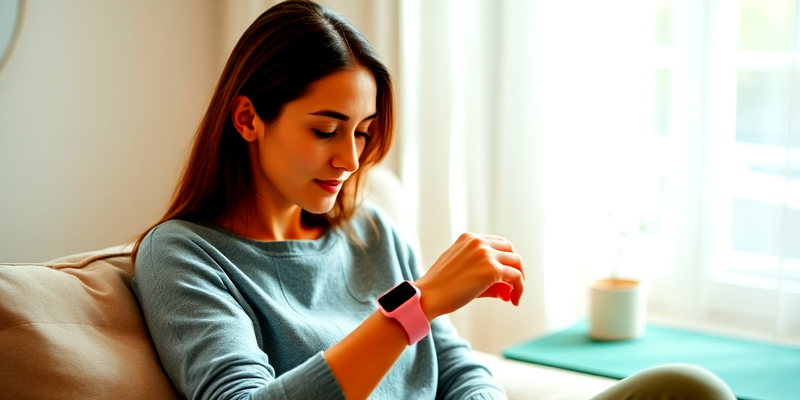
column 753, row 370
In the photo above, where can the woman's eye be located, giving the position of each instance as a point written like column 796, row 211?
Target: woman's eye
column 365, row 135
column 323, row 134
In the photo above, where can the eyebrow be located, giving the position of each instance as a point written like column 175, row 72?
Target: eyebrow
column 338, row 115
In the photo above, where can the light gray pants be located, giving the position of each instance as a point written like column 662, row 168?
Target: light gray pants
column 669, row 382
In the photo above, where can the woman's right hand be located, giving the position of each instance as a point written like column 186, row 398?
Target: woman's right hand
column 474, row 266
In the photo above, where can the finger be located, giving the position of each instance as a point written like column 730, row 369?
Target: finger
column 494, row 241
column 513, row 260
column 509, row 288
column 507, row 255
column 514, row 278
column 499, row 243
column 517, row 280
column 501, row 290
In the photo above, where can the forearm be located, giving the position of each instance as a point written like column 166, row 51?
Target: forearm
column 361, row 360
column 475, row 266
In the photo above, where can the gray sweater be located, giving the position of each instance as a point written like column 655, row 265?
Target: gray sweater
column 234, row 318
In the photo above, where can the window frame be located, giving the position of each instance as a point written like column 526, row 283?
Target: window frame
column 706, row 71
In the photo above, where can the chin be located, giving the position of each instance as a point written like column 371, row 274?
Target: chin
column 319, row 207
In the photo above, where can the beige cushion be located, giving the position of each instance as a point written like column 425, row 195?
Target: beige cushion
column 71, row 329
column 525, row 381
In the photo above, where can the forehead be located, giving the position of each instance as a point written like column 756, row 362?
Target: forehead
column 352, row 92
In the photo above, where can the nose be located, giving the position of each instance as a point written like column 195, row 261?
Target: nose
column 347, row 153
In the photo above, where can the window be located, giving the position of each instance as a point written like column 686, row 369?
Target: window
column 724, row 200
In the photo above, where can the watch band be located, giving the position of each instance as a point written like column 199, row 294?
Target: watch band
column 402, row 303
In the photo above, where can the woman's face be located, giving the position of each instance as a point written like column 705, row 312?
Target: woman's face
column 303, row 158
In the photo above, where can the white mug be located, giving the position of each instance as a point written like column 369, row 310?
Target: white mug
column 617, row 309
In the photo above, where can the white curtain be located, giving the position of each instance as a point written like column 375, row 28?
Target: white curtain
column 520, row 119
column 566, row 126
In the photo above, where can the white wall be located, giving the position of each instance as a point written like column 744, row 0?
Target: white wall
column 98, row 102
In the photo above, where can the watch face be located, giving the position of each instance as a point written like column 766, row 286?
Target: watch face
column 397, row 296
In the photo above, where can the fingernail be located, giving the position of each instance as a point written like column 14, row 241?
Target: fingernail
column 506, row 294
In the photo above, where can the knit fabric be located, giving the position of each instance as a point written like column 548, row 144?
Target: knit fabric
column 238, row 318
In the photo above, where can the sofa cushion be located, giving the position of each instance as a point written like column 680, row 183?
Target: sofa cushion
column 71, row 329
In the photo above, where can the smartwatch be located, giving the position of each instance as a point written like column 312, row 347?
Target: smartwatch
column 402, row 303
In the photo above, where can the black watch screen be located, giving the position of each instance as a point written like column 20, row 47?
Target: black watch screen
column 397, row 296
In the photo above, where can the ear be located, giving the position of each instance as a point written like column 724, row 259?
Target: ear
column 245, row 119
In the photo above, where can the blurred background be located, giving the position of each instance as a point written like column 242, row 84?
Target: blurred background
column 660, row 135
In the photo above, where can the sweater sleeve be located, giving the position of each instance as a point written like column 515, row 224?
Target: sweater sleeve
column 204, row 338
column 460, row 376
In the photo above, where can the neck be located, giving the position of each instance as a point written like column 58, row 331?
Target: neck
column 258, row 223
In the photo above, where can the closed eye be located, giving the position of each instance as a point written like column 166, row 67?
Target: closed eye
column 323, row 134
column 365, row 135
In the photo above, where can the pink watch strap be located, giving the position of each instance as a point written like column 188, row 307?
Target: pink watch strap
column 410, row 316
column 414, row 322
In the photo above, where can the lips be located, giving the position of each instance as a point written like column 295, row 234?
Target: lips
column 330, row 186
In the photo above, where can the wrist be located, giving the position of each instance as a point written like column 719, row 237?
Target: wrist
column 428, row 300
column 404, row 304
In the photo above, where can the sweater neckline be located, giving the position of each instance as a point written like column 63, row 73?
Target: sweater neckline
column 282, row 247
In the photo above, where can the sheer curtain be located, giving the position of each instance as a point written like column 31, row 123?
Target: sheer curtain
column 664, row 128
column 520, row 118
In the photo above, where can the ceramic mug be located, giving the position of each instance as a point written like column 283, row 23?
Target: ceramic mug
column 617, row 309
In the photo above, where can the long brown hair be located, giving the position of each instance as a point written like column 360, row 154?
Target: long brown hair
column 288, row 47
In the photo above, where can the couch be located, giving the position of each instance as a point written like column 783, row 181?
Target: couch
column 71, row 328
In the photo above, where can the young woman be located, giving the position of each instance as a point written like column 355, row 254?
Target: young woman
column 262, row 277
column 266, row 278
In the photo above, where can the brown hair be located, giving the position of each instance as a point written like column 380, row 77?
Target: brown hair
column 288, row 47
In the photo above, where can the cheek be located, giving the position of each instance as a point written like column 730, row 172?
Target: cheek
column 310, row 154
column 362, row 145
column 301, row 157
column 291, row 158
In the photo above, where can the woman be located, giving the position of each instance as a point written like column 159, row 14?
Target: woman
column 261, row 279
column 263, row 275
